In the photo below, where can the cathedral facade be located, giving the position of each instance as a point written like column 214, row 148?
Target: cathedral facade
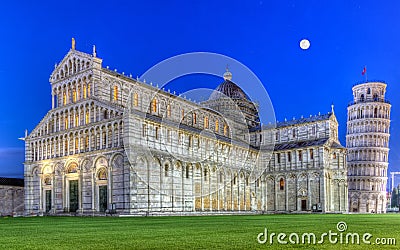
column 115, row 144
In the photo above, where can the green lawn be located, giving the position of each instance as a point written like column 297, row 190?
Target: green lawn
column 196, row 232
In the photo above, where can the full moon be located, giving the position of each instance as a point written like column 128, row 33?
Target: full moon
column 304, row 44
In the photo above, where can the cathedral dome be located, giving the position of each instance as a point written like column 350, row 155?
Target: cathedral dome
column 228, row 89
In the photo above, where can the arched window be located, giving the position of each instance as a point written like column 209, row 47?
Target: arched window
column 166, row 168
column 115, row 93
column 87, row 118
column 168, row 110
column 87, row 142
column 369, row 91
column 74, row 95
column 205, row 174
column 84, row 91
column 225, row 130
column 194, row 118
column 375, row 97
column 362, row 97
column 206, row 122
column 216, row 125
column 64, row 98
column 88, row 90
column 154, row 105
column 187, row 171
column 66, row 123
column 76, row 144
column 136, row 99
column 281, row 184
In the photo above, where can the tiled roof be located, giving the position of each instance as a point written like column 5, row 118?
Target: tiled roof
column 11, row 182
column 300, row 144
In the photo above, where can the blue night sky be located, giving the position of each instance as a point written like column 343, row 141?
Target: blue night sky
column 263, row 35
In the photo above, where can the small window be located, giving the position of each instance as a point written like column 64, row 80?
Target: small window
column 206, row 122
column 369, row 91
column 115, row 93
column 154, row 105
column 281, row 184
column 289, row 156
column 64, row 99
column 182, row 114
column 156, row 133
column 311, row 154
column 300, row 155
column 293, row 133
column 84, row 91
column 225, row 130
column 87, row 142
column 136, row 99
column 166, row 168
column 205, row 174
column 168, row 110
column 277, row 135
column 278, row 157
column 168, row 135
column 88, row 90
column 144, row 131
column 74, row 95
column 216, row 125
column 187, row 171
column 194, row 118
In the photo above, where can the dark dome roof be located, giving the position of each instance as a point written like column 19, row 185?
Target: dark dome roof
column 228, row 89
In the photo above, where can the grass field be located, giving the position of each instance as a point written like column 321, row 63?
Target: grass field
column 196, row 232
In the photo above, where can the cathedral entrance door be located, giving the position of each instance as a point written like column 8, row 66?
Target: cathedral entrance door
column 303, row 205
column 73, row 196
column 48, row 200
column 102, row 198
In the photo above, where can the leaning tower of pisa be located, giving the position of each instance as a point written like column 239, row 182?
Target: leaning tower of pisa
column 367, row 141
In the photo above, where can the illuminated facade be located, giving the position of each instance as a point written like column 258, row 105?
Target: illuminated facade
column 367, row 140
column 113, row 143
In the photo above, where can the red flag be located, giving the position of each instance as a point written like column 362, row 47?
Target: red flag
column 364, row 71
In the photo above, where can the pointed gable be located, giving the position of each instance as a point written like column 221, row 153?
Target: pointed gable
column 74, row 62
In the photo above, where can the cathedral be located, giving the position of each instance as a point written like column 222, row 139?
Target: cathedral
column 114, row 144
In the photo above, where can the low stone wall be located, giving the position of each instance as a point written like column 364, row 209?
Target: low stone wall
column 11, row 200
